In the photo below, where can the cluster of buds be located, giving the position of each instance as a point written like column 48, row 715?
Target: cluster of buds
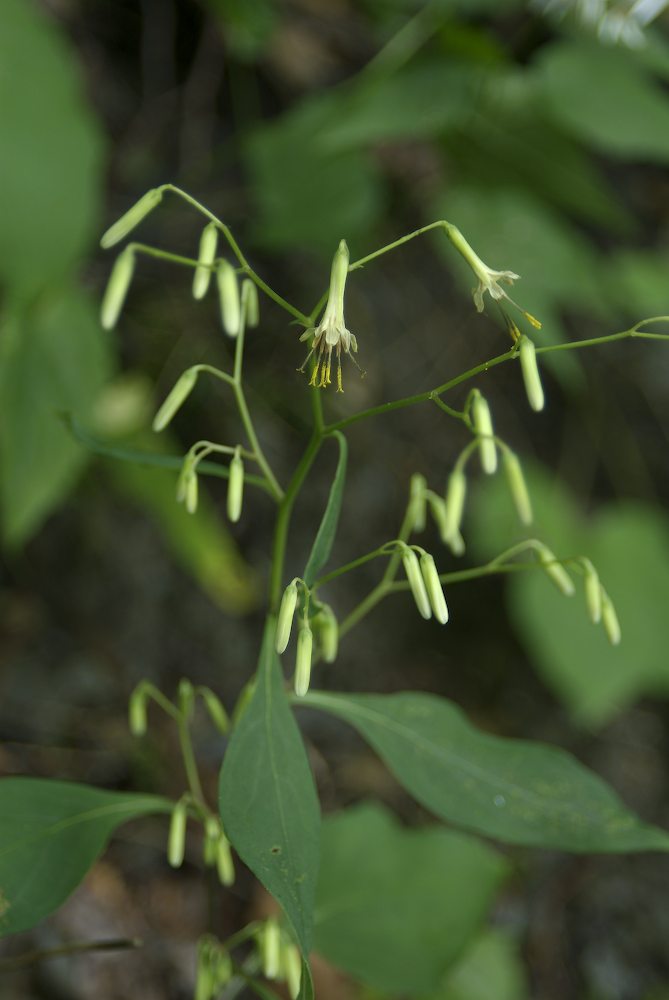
column 214, row 968
column 424, row 583
column 279, row 957
column 323, row 623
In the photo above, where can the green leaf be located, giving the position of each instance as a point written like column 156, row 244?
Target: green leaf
column 396, row 907
column 322, row 547
column 268, row 801
column 53, row 357
column 493, row 958
column 51, row 163
column 512, row 790
column 51, row 832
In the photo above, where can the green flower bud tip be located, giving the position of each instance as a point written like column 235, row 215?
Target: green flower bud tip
column 191, row 493
column 286, row 615
column 224, row 865
column 303, row 660
column 117, row 288
column 531, row 377
column 291, row 965
column 517, row 486
column 455, row 502
column 329, row 634
column 250, row 302
column 222, row 970
column 174, row 400
column 270, row 949
column 417, row 502
column 610, row 620
column 482, row 420
column 206, row 256
column 456, row 544
column 416, row 582
column 176, row 842
column 186, row 698
column 555, row 570
column 137, row 711
column 204, row 983
column 215, row 708
column 434, row 589
column 593, row 592
column 235, row 487
column 120, row 229
column 228, row 291
column 212, row 834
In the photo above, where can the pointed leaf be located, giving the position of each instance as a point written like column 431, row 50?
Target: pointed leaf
column 51, row 832
column 512, row 790
column 268, row 801
column 322, row 547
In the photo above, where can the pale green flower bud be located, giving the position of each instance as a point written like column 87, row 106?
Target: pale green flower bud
column 215, row 708
column 117, row 288
column 610, row 620
column 137, row 711
column 303, row 660
column 175, row 399
column 433, row 586
column 224, row 864
column 555, row 570
column 482, row 421
column 517, row 486
column 286, row 615
column 176, row 841
column 270, row 949
column 186, row 698
column 228, row 291
column 417, row 502
column 291, row 965
column 204, row 983
column 221, row 967
column 191, row 491
column 250, row 302
column 593, row 592
column 416, row 582
column 206, row 257
column 531, row 377
column 456, row 544
column 328, row 633
column 455, row 502
column 235, row 487
column 120, row 229
column 212, row 835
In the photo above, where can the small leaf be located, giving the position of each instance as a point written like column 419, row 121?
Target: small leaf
column 493, row 958
column 512, row 790
column 268, row 801
column 51, row 832
column 397, row 907
column 322, row 547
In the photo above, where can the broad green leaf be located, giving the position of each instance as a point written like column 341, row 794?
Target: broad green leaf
column 51, row 162
column 493, row 959
column 322, row 547
column 51, row 832
column 397, row 907
column 604, row 95
column 53, row 357
column 629, row 545
column 513, row 790
column 268, row 801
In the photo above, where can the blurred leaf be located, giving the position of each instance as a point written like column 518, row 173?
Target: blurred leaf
column 513, row 790
column 605, row 96
column 50, row 168
column 51, row 832
column 268, row 802
column 492, row 959
column 53, row 357
column 248, row 27
column 322, row 547
column 637, row 282
column 396, row 907
column 629, row 545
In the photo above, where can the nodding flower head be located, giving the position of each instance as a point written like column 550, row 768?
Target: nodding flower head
column 331, row 334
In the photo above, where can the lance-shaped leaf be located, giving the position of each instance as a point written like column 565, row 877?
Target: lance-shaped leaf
column 51, row 832
column 268, row 801
column 322, row 547
column 513, row 790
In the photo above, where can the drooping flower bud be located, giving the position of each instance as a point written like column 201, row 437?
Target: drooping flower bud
column 593, row 592
column 417, row 502
column 291, row 967
column 250, row 302
column 531, row 377
column 328, row 633
column 517, row 486
column 228, row 291
column 215, row 708
column 120, row 229
column 610, row 620
column 416, row 582
column 206, row 257
column 235, row 486
column 270, row 949
column 303, row 660
column 137, row 711
column 212, row 834
column 191, row 488
column 482, row 421
column 286, row 615
column 117, row 288
column 455, row 502
column 175, row 399
column 224, row 863
column 434, row 589
column 176, row 841
column 555, row 570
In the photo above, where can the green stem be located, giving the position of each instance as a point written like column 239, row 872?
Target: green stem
column 73, row 948
column 190, row 765
column 347, row 567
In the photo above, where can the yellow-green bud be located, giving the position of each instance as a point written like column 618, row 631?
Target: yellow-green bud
column 228, row 291
column 555, row 570
column 328, row 633
column 456, row 544
column 455, row 502
column 417, row 502
column 212, row 834
column 286, row 615
column 517, row 486
column 120, row 229
column 250, row 303
column 482, row 421
column 224, row 864
column 117, row 288
column 176, row 841
column 235, row 487
column 204, row 983
column 416, row 582
column 221, row 967
column 303, row 660
column 433, row 586
column 179, row 392
column 186, row 698
column 191, row 492
column 215, row 708
column 593, row 592
column 291, row 965
column 137, row 711
column 206, row 257
column 270, row 949
column 610, row 620
column 531, row 377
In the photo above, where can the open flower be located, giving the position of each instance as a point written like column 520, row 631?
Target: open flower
column 331, row 334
